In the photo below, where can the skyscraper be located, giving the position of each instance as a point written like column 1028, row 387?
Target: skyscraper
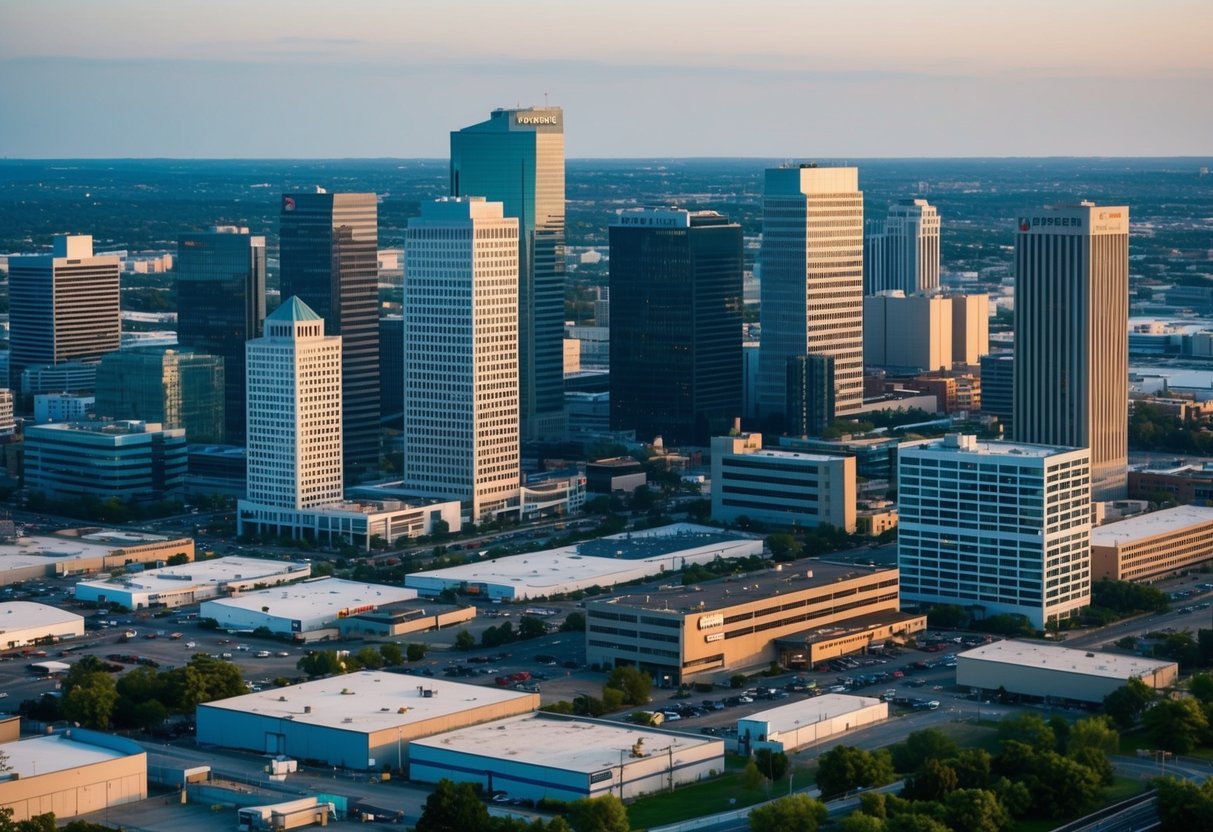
column 174, row 388
column 461, row 436
column 294, row 411
column 221, row 305
column 812, row 281
column 62, row 306
column 810, row 394
column 1071, row 336
column 329, row 260
column 903, row 251
column 517, row 158
column 996, row 527
column 675, row 323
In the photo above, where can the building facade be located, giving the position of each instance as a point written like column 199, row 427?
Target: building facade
column 221, row 305
column 995, row 527
column 675, row 323
column 63, row 306
column 461, row 429
column 810, row 407
column 103, row 460
column 812, row 281
column 1150, row 546
column 516, row 158
column 903, row 251
column 1071, row 336
column 907, row 333
column 329, row 256
column 156, row 384
column 998, row 387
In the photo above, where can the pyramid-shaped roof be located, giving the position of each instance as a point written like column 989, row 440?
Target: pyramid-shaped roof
column 293, row 310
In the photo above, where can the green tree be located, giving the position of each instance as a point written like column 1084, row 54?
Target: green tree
column 972, row 767
column 845, row 767
column 453, row 807
column 91, row 701
column 935, row 780
column 1184, row 806
column 794, row 813
column 321, row 663
column 976, row 810
column 574, row 622
column 946, row 616
column 369, row 657
column 910, row 822
column 859, row 822
column 636, row 685
column 1201, row 686
column 1125, row 704
column 597, row 814
column 416, row 651
column 178, row 559
column 531, row 627
column 1014, row 795
column 784, row 546
column 1030, row 729
column 772, row 764
column 1063, row 787
column 920, row 746
column 464, row 641
column 391, row 654
column 1176, row 725
column 1096, row 732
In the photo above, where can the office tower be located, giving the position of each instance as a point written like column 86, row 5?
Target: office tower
column 294, row 410
column 221, row 305
column 461, row 437
column 1071, row 336
column 810, row 406
column 995, row 527
column 997, row 388
column 970, row 327
column 812, row 281
column 391, row 370
column 174, row 388
column 675, row 323
column 908, row 334
column 329, row 259
column 62, row 306
column 902, row 252
column 517, row 158
column 105, row 460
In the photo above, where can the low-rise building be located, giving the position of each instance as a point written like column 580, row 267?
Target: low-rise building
column 358, row 523
column 302, row 607
column 190, row 583
column 620, row 473
column 1182, row 483
column 361, row 721
column 61, row 407
column 24, row 622
column 566, row 758
column 787, row 488
column 806, row 722
column 1151, row 545
column 403, row 618
column 1048, row 671
column 122, row 460
column 82, row 552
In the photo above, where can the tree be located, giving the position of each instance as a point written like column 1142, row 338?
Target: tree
column 845, row 767
column 1176, row 725
column 1201, row 686
column 794, row 813
column 1184, row 806
column 972, row 767
column 178, row 559
column 531, row 627
column 976, row 810
column 1063, row 787
column 1125, row 704
column 920, row 746
column 391, row 654
column 91, row 701
column 453, row 807
column 597, row 814
column 772, row 764
column 935, row 780
column 464, row 641
column 1096, row 732
column 946, row 616
column 1030, row 729
column 635, row 684
column 416, row 652
column 784, row 546
column 369, row 657
column 321, row 663
column 574, row 622
column 859, row 822
column 910, row 822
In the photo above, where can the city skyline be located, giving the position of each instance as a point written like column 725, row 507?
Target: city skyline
column 958, row 79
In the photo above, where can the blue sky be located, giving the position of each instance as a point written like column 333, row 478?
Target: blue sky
column 772, row 78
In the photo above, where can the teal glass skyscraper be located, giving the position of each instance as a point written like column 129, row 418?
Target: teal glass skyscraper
column 517, row 158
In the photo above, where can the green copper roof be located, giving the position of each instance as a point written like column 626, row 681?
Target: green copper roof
column 293, row 310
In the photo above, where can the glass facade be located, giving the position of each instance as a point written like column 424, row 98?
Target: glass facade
column 155, row 384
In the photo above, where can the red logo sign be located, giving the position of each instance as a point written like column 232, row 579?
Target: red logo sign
column 288, row 203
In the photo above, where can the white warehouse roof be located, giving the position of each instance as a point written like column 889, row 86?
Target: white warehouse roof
column 802, row 714
column 26, row 615
column 320, row 598
column 215, row 572
column 1149, row 525
column 1063, row 659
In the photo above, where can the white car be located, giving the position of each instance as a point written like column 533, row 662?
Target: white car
column 263, row 654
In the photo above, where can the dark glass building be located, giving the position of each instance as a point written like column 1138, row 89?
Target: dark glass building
column 220, row 305
column 177, row 389
column 517, row 158
column 810, row 394
column 675, row 324
column 391, row 370
column 329, row 259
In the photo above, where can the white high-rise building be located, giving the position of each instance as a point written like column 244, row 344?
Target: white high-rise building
column 294, row 411
column 812, row 281
column 995, row 527
column 1072, row 336
column 461, row 410
column 903, row 254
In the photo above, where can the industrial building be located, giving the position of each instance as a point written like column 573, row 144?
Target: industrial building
column 69, row 552
column 302, row 607
column 24, row 622
column 405, row 617
column 363, row 720
column 1152, row 545
column 71, row 773
column 1046, row 670
column 566, row 758
column 796, row 725
column 603, row 562
column 357, row 523
column 175, row 586
column 677, row 633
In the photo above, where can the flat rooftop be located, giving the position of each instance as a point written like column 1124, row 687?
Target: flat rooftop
column 372, row 703
column 1149, row 525
column 201, row 573
column 1053, row 657
column 322, row 597
column 739, row 589
column 806, row 456
column 562, row 743
column 42, row 550
column 986, row 447
column 804, row 713
column 57, row 752
column 27, row 615
column 852, row 626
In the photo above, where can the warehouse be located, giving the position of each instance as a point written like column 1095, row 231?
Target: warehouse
column 1152, row 545
column 1046, row 671
column 72, row 552
column 71, row 773
column 404, row 618
column 360, row 721
column 304, row 607
column 603, row 562
column 566, row 758
column 175, row 586
column 24, row 622
column 800, row 724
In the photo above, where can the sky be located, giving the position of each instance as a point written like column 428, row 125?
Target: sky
column 637, row 78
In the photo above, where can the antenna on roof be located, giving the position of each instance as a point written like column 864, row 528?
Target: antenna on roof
column 545, row 99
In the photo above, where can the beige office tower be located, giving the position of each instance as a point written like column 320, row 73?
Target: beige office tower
column 812, row 281
column 1071, row 336
column 970, row 328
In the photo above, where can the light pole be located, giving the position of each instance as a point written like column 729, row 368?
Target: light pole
column 622, row 751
